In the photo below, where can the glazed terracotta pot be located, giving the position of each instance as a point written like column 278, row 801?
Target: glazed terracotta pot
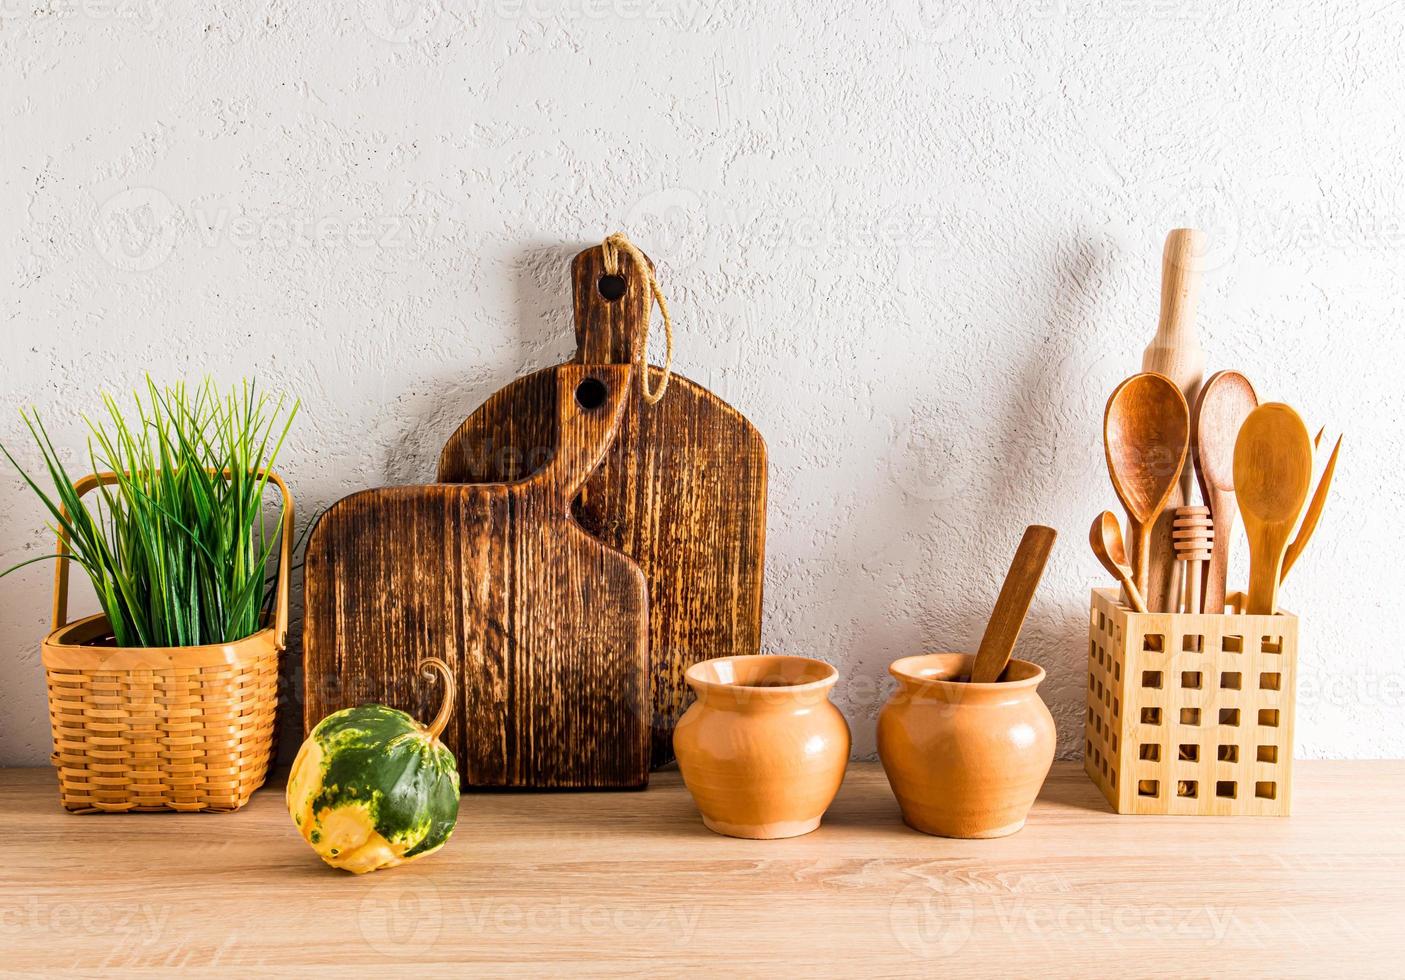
column 965, row 760
column 762, row 750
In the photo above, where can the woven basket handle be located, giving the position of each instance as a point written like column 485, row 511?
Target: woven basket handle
column 285, row 553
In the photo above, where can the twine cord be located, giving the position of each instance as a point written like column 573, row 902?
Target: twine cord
column 611, row 248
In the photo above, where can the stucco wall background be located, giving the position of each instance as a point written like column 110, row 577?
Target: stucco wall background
column 917, row 244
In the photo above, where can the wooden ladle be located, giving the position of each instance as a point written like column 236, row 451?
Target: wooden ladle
column 1105, row 537
column 1272, row 475
column 1146, row 431
column 1224, row 403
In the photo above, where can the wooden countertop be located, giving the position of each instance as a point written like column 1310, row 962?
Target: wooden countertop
column 620, row 883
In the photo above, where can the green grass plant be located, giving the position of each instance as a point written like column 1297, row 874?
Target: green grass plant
column 177, row 549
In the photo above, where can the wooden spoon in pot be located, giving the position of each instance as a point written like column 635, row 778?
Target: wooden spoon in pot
column 1224, row 403
column 1146, row 431
column 1013, row 604
column 1105, row 536
column 1272, row 475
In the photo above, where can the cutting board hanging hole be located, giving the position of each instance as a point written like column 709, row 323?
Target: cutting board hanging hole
column 611, row 287
column 591, row 394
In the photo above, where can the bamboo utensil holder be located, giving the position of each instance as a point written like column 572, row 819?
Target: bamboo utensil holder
column 162, row 728
column 1191, row 714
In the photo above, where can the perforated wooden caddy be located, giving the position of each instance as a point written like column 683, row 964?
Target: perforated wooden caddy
column 162, row 728
column 1191, row 714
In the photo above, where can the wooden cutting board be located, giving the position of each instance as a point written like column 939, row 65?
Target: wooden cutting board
column 682, row 491
column 546, row 624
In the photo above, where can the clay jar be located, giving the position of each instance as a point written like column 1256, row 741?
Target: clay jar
column 762, row 750
column 965, row 760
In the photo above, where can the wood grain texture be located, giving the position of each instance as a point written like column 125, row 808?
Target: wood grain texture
column 1224, row 402
column 1272, row 476
column 682, row 490
column 1146, row 434
column 1175, row 352
column 546, row 625
column 608, row 884
column 1191, row 715
column 1012, row 605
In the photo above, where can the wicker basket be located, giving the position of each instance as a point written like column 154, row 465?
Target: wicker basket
column 1191, row 713
column 171, row 728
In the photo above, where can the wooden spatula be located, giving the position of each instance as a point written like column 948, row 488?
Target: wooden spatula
column 1224, row 403
column 1272, row 475
column 1013, row 605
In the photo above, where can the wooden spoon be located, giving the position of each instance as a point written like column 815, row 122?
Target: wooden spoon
column 1106, row 540
column 1224, row 403
column 1146, row 430
column 1314, row 510
column 1013, row 605
column 1272, row 475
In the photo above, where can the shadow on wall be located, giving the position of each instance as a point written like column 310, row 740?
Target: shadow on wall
column 977, row 527
column 541, row 276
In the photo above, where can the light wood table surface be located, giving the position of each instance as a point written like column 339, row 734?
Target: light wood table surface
column 631, row 883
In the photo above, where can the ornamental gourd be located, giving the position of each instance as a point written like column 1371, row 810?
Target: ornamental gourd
column 372, row 788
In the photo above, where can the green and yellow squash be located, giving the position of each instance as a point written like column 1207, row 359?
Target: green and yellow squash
column 372, row 788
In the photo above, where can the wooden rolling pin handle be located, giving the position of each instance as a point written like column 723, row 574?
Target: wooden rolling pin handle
column 1180, row 287
column 1175, row 352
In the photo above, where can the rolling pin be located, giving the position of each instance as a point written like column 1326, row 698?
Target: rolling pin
column 1175, row 352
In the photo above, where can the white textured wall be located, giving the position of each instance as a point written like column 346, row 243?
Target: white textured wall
column 916, row 244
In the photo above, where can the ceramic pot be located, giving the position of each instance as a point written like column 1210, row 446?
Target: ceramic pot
column 762, row 750
column 965, row 760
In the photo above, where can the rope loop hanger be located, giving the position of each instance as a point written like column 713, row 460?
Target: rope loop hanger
column 611, row 248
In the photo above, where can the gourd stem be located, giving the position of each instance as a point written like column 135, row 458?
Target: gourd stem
column 446, row 707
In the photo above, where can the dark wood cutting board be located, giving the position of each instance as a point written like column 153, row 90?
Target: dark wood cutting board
column 546, row 625
column 682, row 491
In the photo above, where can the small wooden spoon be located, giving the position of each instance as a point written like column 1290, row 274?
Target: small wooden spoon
column 1272, row 475
column 1106, row 539
column 1013, row 605
column 1146, row 431
column 1224, row 403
